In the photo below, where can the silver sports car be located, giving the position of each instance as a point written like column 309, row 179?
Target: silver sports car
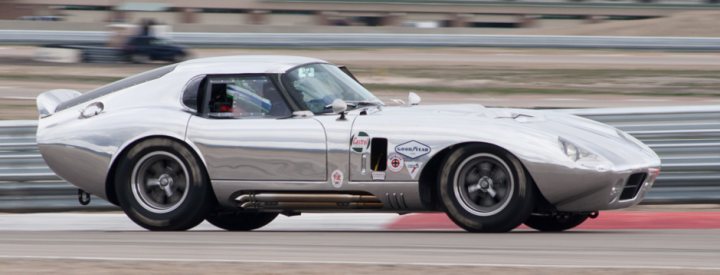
column 238, row 140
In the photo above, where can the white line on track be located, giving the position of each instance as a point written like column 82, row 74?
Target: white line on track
column 123, row 259
column 647, row 100
column 17, row 97
column 481, row 99
column 563, row 99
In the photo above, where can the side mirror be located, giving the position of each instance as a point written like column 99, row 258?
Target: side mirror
column 413, row 99
column 338, row 106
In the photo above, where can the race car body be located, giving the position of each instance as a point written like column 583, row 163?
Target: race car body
column 238, row 140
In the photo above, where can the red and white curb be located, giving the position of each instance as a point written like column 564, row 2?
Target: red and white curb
column 609, row 220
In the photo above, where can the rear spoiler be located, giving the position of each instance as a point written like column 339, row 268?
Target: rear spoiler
column 48, row 102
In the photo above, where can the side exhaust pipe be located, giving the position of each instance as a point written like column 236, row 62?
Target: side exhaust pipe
column 299, row 201
column 83, row 197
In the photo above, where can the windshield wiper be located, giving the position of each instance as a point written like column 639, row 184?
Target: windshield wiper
column 354, row 105
column 358, row 104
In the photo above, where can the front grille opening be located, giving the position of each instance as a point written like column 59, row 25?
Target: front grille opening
column 633, row 185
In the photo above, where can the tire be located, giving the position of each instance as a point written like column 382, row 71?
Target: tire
column 555, row 223
column 502, row 198
column 176, row 195
column 240, row 221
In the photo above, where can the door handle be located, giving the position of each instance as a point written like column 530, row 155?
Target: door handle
column 92, row 110
column 363, row 165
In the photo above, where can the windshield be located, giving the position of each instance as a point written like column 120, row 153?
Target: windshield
column 318, row 85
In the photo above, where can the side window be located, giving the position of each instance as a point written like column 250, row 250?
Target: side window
column 244, row 97
column 191, row 95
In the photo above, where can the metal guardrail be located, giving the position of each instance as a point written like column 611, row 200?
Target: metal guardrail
column 203, row 39
column 26, row 183
column 686, row 138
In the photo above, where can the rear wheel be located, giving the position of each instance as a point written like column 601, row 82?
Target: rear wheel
column 485, row 189
column 161, row 185
column 557, row 222
column 240, row 221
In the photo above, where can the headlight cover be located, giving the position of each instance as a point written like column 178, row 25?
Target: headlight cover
column 583, row 157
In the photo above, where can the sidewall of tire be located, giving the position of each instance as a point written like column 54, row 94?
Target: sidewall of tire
column 189, row 213
column 515, row 212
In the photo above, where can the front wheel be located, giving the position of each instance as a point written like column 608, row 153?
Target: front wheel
column 161, row 185
column 556, row 223
column 485, row 189
column 240, row 221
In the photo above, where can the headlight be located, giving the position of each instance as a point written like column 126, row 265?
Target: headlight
column 583, row 156
column 571, row 151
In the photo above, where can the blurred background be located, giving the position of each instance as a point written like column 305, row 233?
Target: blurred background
column 527, row 53
column 641, row 55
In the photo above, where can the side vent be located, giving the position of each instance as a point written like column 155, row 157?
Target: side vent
column 378, row 154
column 396, row 200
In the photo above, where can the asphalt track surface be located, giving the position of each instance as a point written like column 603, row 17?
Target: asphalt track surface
column 316, row 241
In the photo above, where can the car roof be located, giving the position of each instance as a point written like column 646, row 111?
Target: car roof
column 244, row 64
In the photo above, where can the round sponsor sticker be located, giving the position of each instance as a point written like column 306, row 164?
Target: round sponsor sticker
column 360, row 143
column 337, row 178
column 395, row 162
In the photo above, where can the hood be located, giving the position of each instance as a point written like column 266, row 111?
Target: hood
column 529, row 125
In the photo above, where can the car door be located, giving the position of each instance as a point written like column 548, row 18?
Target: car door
column 246, row 131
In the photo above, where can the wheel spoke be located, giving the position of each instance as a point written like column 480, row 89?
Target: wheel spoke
column 152, row 182
column 492, row 192
column 156, row 169
column 474, row 196
column 486, row 201
column 472, row 176
column 179, row 171
column 168, row 191
column 156, row 194
column 498, row 176
column 501, row 191
column 485, row 168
